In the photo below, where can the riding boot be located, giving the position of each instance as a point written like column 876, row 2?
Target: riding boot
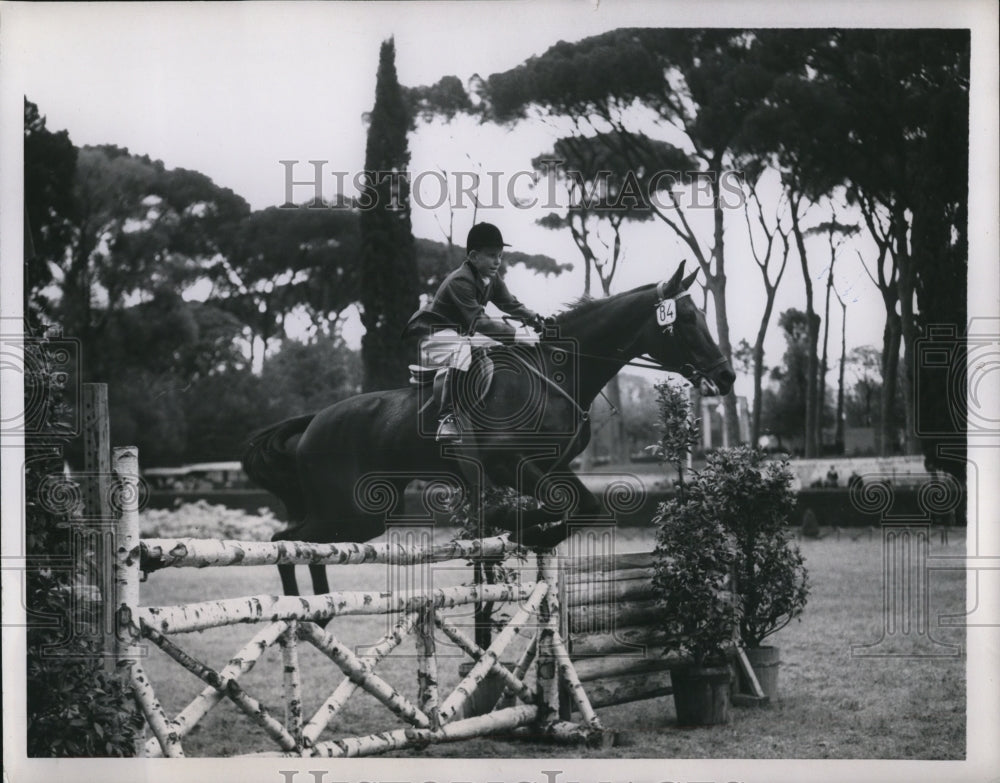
column 449, row 429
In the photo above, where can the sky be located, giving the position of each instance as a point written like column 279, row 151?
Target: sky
column 233, row 89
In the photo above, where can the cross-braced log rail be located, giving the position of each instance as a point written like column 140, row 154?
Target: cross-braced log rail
column 336, row 701
column 238, row 665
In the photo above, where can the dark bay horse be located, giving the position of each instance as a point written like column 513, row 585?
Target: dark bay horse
column 339, row 471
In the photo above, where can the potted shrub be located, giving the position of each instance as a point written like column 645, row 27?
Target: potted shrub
column 694, row 557
column 753, row 499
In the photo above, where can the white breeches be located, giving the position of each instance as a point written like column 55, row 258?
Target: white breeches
column 448, row 348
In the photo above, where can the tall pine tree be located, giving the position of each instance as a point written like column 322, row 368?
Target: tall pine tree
column 388, row 259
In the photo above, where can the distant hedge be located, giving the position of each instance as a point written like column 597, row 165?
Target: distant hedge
column 831, row 506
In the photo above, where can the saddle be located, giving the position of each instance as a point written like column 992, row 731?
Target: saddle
column 429, row 382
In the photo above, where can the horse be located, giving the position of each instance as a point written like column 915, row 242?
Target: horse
column 335, row 469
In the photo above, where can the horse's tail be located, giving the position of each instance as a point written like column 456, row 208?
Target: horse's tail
column 269, row 461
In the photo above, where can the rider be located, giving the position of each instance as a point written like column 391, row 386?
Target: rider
column 449, row 325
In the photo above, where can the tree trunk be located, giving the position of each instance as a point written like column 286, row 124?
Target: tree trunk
column 758, row 376
column 839, row 437
column 722, row 327
column 615, row 426
column 718, row 286
column 813, row 331
column 758, row 368
column 885, row 437
column 699, row 447
column 908, row 328
column 823, row 365
column 75, row 307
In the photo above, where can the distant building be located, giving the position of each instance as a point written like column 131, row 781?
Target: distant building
column 714, row 433
column 199, row 476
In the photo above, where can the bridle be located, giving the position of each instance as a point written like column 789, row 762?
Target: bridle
column 646, row 361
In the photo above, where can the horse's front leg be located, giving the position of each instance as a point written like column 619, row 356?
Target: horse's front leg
column 563, row 496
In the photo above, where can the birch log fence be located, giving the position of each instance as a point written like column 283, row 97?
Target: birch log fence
column 592, row 641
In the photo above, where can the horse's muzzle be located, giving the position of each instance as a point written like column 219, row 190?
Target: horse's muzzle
column 721, row 384
column 708, row 388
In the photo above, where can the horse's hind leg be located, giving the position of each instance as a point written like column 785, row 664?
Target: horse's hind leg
column 320, row 582
column 289, row 585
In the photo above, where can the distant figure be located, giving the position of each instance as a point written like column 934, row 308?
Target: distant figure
column 810, row 525
column 853, row 480
column 832, row 478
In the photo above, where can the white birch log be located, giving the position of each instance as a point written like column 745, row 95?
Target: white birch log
column 518, row 721
column 238, row 665
column 250, row 609
column 526, row 658
column 546, row 677
column 125, row 463
column 521, row 668
column 293, row 682
column 336, row 701
column 427, row 670
column 204, row 552
column 361, row 675
column 151, row 708
column 515, row 684
column 491, row 656
column 562, row 733
column 252, row 708
column 482, row 725
column 576, row 691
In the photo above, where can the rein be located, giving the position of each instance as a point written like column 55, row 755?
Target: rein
column 584, row 415
column 644, row 361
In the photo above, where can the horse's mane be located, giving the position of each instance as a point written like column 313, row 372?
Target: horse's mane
column 584, row 306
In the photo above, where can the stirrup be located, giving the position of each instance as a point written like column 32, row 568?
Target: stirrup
column 448, row 429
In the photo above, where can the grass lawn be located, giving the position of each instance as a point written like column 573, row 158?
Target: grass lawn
column 832, row 704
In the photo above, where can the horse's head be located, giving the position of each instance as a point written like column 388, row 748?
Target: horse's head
column 676, row 337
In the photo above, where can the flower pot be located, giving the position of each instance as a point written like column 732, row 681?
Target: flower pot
column 701, row 694
column 486, row 696
column 765, row 662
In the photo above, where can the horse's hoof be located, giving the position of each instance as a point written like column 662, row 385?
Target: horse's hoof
column 542, row 538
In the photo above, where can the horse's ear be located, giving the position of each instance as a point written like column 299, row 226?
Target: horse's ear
column 686, row 283
column 670, row 287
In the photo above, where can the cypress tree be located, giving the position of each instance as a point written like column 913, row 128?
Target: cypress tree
column 388, row 258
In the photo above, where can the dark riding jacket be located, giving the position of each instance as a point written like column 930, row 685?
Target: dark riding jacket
column 459, row 304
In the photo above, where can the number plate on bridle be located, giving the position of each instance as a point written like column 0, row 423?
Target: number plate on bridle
column 666, row 312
